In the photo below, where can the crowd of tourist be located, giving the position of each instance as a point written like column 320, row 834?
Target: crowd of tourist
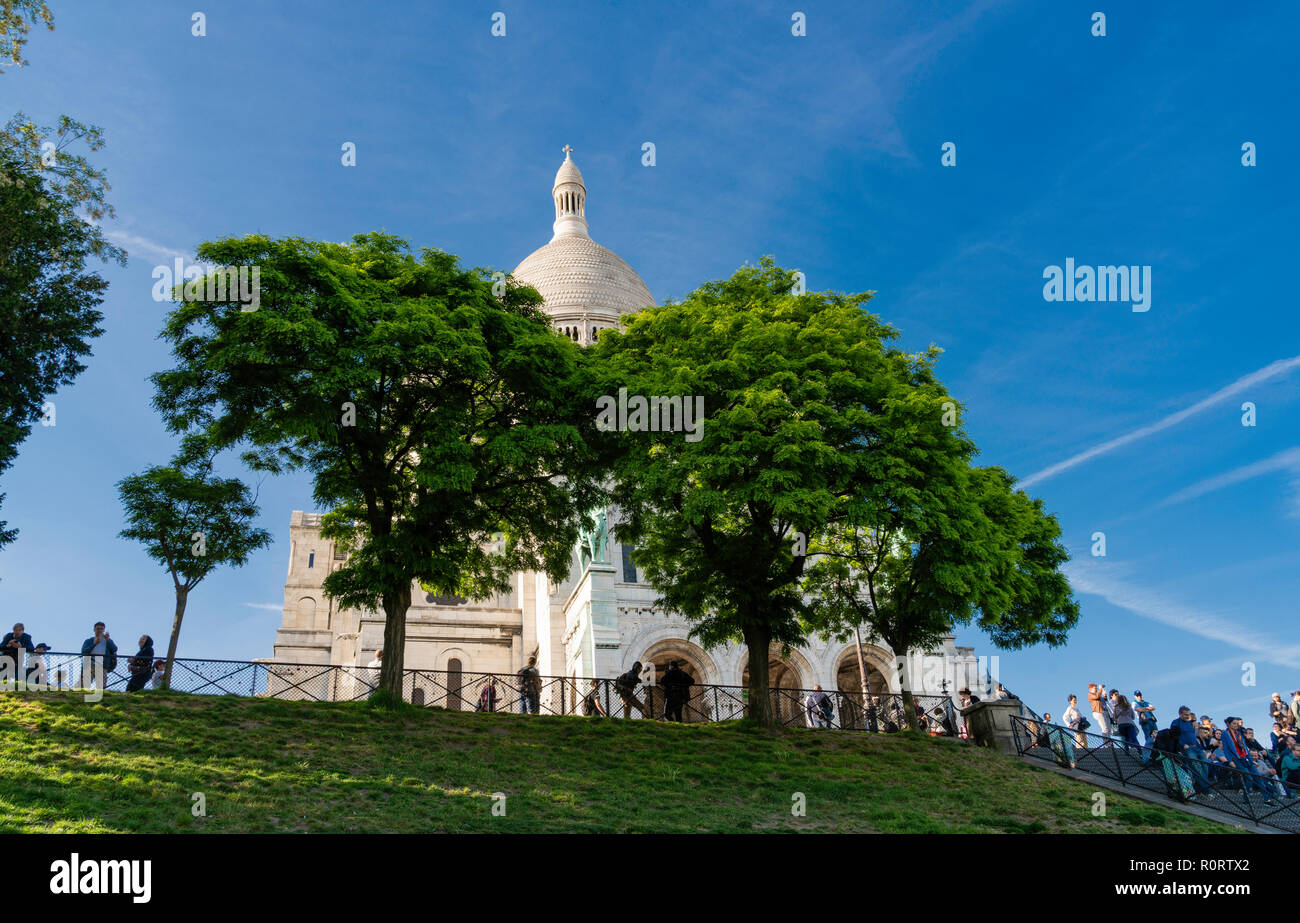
column 21, row 659
column 1213, row 756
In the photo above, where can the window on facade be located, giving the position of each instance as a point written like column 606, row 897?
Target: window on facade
column 311, row 559
column 629, row 569
column 453, row 683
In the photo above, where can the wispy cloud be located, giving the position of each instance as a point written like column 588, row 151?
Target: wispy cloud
column 1098, row 580
column 135, row 244
column 269, row 607
column 1272, row 370
column 1286, row 460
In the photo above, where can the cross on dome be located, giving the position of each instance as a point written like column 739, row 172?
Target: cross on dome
column 567, row 152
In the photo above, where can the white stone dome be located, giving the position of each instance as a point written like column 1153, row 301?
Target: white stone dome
column 576, row 276
column 580, row 280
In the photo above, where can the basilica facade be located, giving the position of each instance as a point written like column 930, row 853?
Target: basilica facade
column 603, row 616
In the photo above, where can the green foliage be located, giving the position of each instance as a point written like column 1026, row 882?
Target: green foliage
column 804, row 400
column 16, row 19
column 49, row 213
column 435, row 417
column 167, row 506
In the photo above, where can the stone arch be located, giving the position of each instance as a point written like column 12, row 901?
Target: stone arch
column 305, row 612
column 703, row 703
column 880, row 669
column 854, row 712
column 789, row 672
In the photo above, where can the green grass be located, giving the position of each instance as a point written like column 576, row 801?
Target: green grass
column 134, row 762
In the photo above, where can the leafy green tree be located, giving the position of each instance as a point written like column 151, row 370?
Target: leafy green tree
column 16, row 19
column 51, row 203
column 972, row 548
column 191, row 522
column 803, row 400
column 434, row 413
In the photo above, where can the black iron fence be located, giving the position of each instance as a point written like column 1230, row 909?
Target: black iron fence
column 505, row 692
column 1261, row 797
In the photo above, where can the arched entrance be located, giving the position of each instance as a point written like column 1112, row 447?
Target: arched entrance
column 702, row 704
column 848, row 682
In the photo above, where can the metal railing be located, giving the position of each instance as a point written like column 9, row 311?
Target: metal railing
column 1264, row 800
column 506, row 692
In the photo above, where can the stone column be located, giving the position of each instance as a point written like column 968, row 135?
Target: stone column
column 989, row 724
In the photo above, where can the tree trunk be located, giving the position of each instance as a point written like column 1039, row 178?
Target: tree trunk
column 395, row 603
column 181, row 595
column 759, row 642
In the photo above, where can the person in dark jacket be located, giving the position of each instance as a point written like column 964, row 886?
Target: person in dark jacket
column 530, row 688
column 12, row 649
column 487, row 699
column 625, row 685
column 98, row 657
column 1189, row 746
column 677, row 690
column 141, row 665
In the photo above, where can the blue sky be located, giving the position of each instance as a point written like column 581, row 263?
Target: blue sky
column 823, row 150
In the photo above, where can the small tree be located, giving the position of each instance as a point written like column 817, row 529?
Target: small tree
column 191, row 522
column 908, row 575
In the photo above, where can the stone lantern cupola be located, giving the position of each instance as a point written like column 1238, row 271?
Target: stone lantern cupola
column 570, row 194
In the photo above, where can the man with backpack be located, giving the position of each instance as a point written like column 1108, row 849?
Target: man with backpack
column 530, row 688
column 818, row 706
column 1189, row 747
column 625, row 685
column 1146, row 713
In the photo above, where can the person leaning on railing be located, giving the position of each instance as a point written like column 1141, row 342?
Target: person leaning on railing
column 1189, row 747
column 12, row 648
column 1288, row 769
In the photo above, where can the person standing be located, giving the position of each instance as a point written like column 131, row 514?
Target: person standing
column 1125, row 722
column 141, row 665
column 530, row 688
column 98, row 658
column 1146, row 713
column 677, row 685
column 1075, row 722
column 1100, row 708
column 818, row 707
column 1295, row 708
column 487, row 699
column 14, row 647
column 1277, row 708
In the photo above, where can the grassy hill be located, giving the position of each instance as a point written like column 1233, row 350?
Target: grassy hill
column 134, row 762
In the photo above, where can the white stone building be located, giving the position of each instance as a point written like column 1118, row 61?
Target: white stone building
column 603, row 616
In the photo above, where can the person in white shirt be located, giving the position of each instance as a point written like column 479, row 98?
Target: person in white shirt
column 1072, row 719
column 156, row 681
